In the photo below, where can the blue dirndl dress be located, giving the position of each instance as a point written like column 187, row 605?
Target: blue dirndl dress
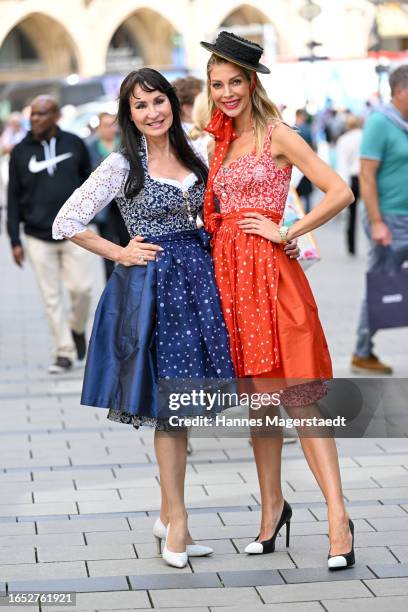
column 162, row 321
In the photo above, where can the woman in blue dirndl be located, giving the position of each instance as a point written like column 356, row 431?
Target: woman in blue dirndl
column 159, row 317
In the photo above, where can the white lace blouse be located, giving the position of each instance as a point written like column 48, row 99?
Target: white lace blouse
column 100, row 188
column 163, row 205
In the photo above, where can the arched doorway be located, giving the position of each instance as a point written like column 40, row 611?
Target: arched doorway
column 144, row 38
column 38, row 47
column 249, row 22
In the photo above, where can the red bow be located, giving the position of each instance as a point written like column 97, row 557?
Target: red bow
column 221, row 127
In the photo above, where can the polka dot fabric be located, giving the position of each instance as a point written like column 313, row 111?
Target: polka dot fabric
column 192, row 340
column 268, row 305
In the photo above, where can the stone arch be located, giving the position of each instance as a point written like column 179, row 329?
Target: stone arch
column 249, row 21
column 135, row 41
column 37, row 46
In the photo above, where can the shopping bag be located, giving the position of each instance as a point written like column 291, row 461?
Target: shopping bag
column 387, row 294
column 309, row 252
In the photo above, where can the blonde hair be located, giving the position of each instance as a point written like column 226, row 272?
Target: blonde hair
column 354, row 122
column 264, row 111
column 200, row 114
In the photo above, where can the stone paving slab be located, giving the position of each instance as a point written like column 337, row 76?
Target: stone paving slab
column 17, row 555
column 38, row 509
column 85, row 553
column 54, row 540
column 322, row 574
column 388, row 586
column 227, row 563
column 366, row 511
column 390, row 524
column 401, row 552
column 115, row 600
column 314, row 591
column 74, row 585
column 304, row 606
column 133, row 567
column 16, row 529
column 82, row 525
column 40, row 571
column 379, row 604
column 175, row 581
column 390, row 571
column 365, row 556
column 250, row 578
column 177, row 598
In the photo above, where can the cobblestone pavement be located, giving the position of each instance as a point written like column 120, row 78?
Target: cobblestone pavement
column 79, row 494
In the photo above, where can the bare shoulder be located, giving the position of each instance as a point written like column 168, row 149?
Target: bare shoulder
column 281, row 136
column 281, row 131
column 285, row 140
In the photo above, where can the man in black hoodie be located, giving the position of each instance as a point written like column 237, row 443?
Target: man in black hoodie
column 45, row 168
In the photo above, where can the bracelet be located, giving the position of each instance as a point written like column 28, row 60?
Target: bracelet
column 283, row 232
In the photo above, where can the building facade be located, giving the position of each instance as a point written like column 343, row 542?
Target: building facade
column 42, row 39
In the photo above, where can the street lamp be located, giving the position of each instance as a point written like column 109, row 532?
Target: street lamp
column 309, row 11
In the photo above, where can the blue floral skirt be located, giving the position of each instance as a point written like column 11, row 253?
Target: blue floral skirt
column 157, row 322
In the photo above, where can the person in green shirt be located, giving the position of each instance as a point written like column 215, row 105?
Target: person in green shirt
column 383, row 184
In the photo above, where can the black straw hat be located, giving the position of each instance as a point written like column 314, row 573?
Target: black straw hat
column 237, row 50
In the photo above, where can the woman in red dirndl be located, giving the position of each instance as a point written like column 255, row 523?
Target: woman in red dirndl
column 268, row 306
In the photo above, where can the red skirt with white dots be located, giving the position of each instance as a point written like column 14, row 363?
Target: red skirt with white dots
column 268, row 306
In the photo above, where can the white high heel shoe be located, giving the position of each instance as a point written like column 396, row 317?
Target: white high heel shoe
column 175, row 559
column 193, row 550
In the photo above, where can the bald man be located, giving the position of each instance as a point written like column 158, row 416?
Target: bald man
column 45, row 168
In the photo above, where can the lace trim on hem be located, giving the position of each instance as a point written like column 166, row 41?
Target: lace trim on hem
column 137, row 421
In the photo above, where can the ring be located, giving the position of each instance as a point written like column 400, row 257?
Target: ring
column 141, row 258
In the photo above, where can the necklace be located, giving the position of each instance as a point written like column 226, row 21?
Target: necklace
column 186, row 197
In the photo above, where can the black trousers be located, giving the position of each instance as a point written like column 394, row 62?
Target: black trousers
column 352, row 216
column 114, row 229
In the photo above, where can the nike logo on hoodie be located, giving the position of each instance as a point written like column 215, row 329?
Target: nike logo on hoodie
column 35, row 166
column 51, row 159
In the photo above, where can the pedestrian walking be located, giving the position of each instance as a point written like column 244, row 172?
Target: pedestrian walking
column 348, row 166
column 267, row 303
column 45, row 168
column 12, row 134
column 109, row 221
column 305, row 187
column 159, row 316
column 384, row 167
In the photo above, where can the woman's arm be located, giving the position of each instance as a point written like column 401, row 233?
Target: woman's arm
column 289, row 145
column 291, row 148
column 103, row 185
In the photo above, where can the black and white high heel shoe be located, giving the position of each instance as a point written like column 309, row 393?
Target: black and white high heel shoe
column 268, row 546
column 337, row 562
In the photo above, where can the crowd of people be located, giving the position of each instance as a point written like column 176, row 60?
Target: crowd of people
column 225, row 301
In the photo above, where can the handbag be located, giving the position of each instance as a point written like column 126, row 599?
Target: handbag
column 387, row 293
column 309, row 251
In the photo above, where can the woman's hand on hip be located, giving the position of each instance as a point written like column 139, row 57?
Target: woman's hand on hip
column 291, row 249
column 254, row 223
column 138, row 253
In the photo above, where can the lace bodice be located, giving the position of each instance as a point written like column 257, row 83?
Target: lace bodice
column 253, row 182
column 163, row 205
